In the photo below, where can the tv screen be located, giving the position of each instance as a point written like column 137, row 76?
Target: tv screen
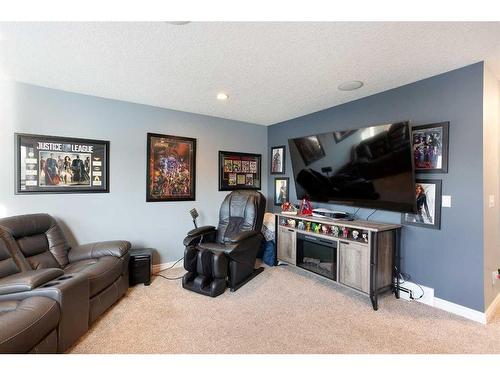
column 367, row 167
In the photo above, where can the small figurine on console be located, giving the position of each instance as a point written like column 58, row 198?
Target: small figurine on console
column 335, row 230
column 291, row 223
column 365, row 237
column 305, row 208
column 317, row 229
column 288, row 208
column 345, row 232
column 308, row 225
column 355, row 234
column 324, row 229
column 301, row 225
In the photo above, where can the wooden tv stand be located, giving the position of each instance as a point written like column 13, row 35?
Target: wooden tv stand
column 366, row 264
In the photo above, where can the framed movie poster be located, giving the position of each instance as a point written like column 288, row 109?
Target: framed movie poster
column 428, row 195
column 430, row 147
column 239, row 171
column 278, row 160
column 171, row 167
column 281, row 190
column 47, row 164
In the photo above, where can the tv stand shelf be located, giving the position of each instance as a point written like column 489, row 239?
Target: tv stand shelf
column 361, row 255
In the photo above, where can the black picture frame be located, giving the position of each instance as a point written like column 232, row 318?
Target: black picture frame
column 421, row 219
column 286, row 197
column 184, row 159
column 239, row 171
column 310, row 148
column 424, row 158
column 339, row 136
column 34, row 175
column 281, row 162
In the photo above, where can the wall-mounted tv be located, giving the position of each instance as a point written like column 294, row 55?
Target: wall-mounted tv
column 367, row 167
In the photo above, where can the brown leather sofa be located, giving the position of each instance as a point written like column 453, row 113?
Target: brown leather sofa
column 38, row 268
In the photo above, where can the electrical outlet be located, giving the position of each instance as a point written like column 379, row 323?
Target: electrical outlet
column 491, row 201
column 446, row 201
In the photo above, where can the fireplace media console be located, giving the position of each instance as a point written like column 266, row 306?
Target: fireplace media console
column 361, row 255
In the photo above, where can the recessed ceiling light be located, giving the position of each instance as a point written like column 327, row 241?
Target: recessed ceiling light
column 179, row 23
column 222, row 96
column 350, row 85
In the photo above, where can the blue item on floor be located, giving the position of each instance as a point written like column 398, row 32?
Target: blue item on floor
column 268, row 253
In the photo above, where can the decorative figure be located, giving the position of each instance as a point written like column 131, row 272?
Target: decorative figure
column 305, row 208
column 317, row 229
column 335, row 230
column 365, row 237
column 355, row 234
column 308, row 225
column 291, row 223
column 324, row 229
column 301, row 225
column 345, row 232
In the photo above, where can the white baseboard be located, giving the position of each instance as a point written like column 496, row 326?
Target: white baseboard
column 163, row 266
column 429, row 299
column 492, row 308
column 463, row 311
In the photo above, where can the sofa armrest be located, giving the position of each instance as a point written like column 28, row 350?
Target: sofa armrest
column 29, row 280
column 238, row 237
column 99, row 249
column 194, row 234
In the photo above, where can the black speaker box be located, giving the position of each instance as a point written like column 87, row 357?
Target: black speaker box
column 140, row 266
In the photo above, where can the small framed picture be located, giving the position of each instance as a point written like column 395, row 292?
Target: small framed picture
column 430, row 147
column 239, row 170
column 281, row 190
column 278, row 160
column 428, row 196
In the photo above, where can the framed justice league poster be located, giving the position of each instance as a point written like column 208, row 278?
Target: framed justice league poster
column 171, row 167
column 49, row 164
column 239, row 171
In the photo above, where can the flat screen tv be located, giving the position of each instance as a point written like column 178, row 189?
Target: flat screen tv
column 367, row 167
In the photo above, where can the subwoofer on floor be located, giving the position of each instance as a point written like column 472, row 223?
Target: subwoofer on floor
column 141, row 266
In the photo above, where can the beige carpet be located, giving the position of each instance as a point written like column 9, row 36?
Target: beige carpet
column 283, row 310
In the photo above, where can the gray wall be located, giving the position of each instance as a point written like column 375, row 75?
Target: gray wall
column 449, row 260
column 123, row 213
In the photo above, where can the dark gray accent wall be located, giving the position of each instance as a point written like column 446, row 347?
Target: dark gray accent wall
column 124, row 212
column 449, row 260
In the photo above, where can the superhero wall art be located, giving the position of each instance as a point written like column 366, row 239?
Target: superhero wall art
column 171, row 165
column 47, row 164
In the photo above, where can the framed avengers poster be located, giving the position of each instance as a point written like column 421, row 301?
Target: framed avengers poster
column 50, row 164
column 239, row 170
column 171, row 168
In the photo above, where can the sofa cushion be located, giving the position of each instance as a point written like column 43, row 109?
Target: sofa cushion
column 102, row 272
column 23, row 324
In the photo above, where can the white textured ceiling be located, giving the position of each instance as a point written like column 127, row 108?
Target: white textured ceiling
column 271, row 71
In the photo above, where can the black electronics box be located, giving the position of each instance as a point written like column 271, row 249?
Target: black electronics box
column 140, row 266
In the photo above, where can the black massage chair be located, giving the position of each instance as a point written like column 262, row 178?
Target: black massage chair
column 216, row 257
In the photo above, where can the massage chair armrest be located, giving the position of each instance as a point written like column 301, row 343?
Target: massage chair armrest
column 99, row 249
column 241, row 236
column 29, row 280
column 196, row 235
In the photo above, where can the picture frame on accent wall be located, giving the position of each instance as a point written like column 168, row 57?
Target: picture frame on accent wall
column 281, row 190
column 278, row 155
column 428, row 196
column 171, row 168
column 430, row 147
column 54, row 165
column 239, row 171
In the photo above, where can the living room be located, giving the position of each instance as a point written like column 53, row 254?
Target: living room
column 254, row 187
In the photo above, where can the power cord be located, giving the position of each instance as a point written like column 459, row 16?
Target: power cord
column 166, row 269
column 406, row 277
column 371, row 214
column 355, row 213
